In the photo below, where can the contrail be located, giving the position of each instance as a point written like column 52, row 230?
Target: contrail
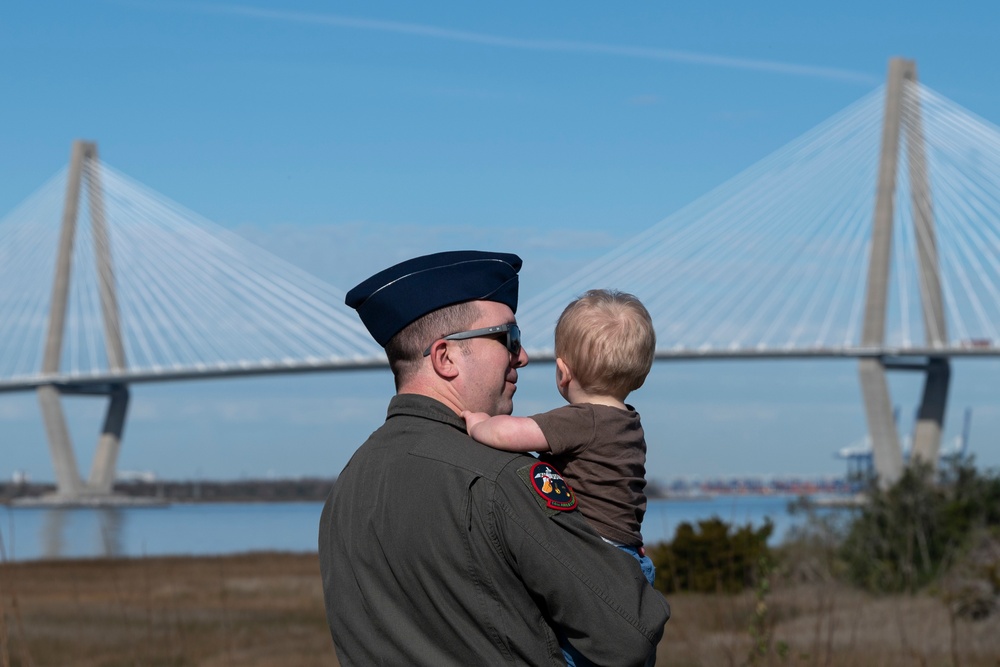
column 561, row 46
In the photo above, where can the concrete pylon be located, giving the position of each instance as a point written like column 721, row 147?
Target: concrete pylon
column 930, row 416
column 902, row 109
column 68, row 480
column 102, row 472
column 70, row 487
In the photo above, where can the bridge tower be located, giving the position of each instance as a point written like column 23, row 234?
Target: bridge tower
column 84, row 168
column 902, row 120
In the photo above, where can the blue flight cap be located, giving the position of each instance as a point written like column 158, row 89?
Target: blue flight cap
column 395, row 297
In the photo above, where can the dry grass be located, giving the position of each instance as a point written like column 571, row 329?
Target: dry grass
column 827, row 625
column 264, row 610
column 256, row 610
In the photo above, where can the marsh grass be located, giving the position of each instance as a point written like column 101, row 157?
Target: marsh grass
column 266, row 610
column 250, row 610
column 828, row 625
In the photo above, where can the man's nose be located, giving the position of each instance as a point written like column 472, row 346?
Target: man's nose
column 521, row 360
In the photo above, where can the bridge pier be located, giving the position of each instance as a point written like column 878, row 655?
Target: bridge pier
column 102, row 469
column 70, row 487
column 68, row 482
column 887, row 455
column 930, row 416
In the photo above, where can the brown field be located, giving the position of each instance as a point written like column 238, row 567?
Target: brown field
column 259, row 610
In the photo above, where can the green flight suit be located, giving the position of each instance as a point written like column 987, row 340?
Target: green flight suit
column 436, row 550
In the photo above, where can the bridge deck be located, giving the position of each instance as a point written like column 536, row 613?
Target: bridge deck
column 82, row 383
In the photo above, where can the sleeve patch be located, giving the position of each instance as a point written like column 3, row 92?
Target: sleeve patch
column 551, row 488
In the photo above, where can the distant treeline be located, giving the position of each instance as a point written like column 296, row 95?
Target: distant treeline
column 244, row 490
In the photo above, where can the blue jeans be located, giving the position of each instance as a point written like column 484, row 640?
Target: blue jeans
column 648, row 569
column 573, row 658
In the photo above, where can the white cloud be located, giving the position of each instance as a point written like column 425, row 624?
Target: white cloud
column 550, row 45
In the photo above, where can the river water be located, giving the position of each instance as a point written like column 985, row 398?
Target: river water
column 227, row 528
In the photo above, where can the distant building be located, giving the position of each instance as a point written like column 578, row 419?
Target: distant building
column 127, row 476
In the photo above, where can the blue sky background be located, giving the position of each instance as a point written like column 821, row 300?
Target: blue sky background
column 346, row 136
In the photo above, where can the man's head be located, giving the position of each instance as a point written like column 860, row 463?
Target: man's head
column 428, row 311
column 606, row 337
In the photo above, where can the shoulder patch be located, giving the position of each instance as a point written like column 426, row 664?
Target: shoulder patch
column 551, row 488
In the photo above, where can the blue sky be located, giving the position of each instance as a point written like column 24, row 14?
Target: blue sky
column 346, row 136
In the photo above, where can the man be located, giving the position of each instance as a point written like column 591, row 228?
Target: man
column 436, row 550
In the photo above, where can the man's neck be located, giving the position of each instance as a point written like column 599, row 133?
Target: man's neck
column 422, row 389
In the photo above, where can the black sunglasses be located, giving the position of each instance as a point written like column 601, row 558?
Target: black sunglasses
column 512, row 343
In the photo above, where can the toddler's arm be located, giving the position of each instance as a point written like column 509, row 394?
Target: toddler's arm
column 512, row 434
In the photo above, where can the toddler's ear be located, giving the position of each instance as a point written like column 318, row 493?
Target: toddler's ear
column 563, row 374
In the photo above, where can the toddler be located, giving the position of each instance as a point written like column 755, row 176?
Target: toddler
column 604, row 349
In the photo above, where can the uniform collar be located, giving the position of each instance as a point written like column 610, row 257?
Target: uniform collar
column 418, row 405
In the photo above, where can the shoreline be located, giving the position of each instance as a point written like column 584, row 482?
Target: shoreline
column 307, row 489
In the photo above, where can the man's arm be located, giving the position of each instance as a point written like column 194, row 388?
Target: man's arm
column 595, row 593
column 512, row 434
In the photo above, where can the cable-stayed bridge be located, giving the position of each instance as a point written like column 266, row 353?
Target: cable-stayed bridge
column 183, row 297
column 874, row 236
column 775, row 262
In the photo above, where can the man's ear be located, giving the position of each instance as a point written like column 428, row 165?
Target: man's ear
column 442, row 360
column 563, row 373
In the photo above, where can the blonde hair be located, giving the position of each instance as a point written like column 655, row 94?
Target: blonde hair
column 606, row 338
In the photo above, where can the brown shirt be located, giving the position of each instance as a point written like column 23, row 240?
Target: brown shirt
column 601, row 451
